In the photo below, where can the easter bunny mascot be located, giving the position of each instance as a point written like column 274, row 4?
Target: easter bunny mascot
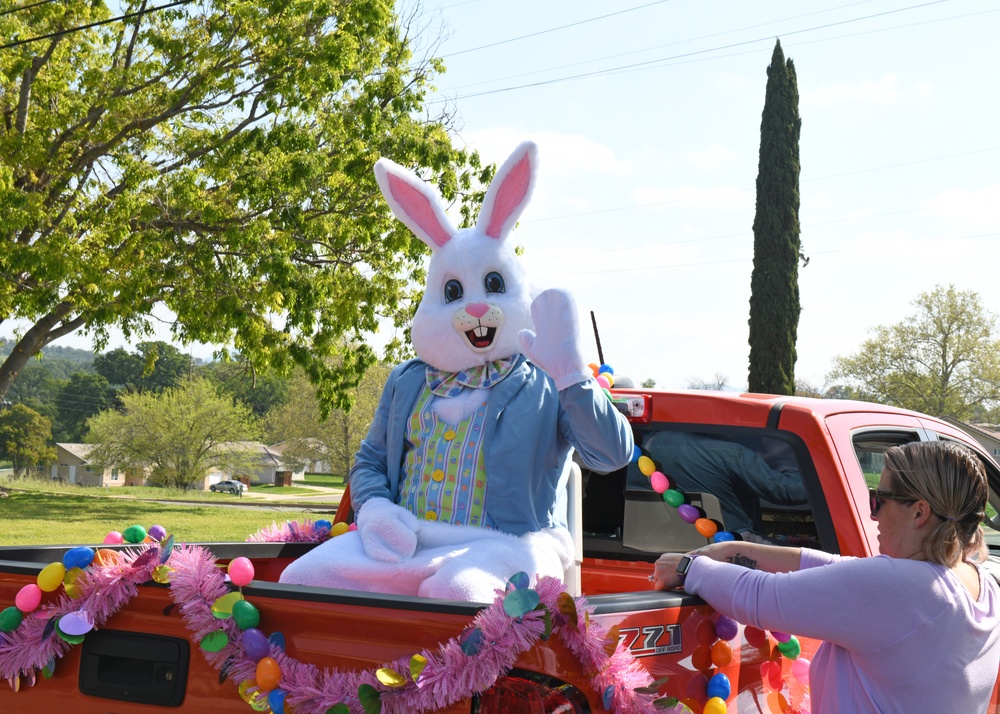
column 461, row 480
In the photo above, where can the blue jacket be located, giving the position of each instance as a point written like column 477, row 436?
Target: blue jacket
column 530, row 432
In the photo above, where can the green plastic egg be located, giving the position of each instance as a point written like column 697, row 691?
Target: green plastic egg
column 245, row 614
column 134, row 534
column 10, row 619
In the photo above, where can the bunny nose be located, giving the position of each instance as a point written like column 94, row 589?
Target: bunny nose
column 477, row 309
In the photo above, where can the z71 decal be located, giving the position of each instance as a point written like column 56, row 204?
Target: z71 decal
column 651, row 640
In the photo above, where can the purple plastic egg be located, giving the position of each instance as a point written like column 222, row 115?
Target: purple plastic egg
column 688, row 512
column 255, row 644
column 157, row 533
column 726, row 628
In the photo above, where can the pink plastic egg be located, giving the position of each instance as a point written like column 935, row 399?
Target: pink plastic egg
column 28, row 598
column 659, row 482
column 240, row 571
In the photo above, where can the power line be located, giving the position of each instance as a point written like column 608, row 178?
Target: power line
column 69, row 30
column 25, row 7
column 648, row 63
column 555, row 29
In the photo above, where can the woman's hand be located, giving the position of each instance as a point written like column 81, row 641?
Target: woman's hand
column 665, row 571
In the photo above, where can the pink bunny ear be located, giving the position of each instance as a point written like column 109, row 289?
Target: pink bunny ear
column 510, row 192
column 414, row 203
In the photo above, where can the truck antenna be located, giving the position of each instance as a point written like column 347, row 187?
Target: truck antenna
column 597, row 336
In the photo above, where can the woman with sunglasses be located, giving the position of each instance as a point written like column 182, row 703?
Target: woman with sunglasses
column 915, row 629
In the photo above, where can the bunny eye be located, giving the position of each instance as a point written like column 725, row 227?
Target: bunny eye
column 494, row 283
column 453, row 291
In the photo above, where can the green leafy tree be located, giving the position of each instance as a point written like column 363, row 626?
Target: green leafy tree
column 153, row 367
column 215, row 159
column 180, row 434
column 81, row 397
column 774, row 283
column 25, row 438
column 334, row 439
column 260, row 393
column 944, row 360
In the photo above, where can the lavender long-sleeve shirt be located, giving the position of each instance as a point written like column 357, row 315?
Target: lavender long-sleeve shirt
column 898, row 635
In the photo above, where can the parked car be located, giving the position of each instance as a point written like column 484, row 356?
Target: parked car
column 233, row 487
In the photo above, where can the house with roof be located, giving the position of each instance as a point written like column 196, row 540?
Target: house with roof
column 72, row 465
column 320, row 463
column 988, row 435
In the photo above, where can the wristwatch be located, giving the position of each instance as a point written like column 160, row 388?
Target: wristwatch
column 683, row 566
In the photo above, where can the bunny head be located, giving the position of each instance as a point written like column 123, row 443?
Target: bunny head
column 477, row 298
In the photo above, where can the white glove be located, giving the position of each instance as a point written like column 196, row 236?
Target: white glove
column 388, row 532
column 556, row 346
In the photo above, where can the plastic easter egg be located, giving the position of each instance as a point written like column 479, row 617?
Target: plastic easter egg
column 352, row 527
column 268, row 674
column 722, row 654
column 701, row 658
column 706, row 526
column 755, row 636
column 800, row 670
column 780, row 636
column 244, row 689
column 719, row 686
column 690, row 702
column 66, row 637
column 715, row 705
column 322, row 524
column 777, row 703
column 636, row 453
column 79, row 557
column 51, row 577
column 726, row 628
column 673, row 497
column 70, row 582
column 76, row 623
column 659, row 482
column 245, row 615
column 276, row 700
column 688, row 513
column 697, row 688
column 723, row 536
column 240, row 571
column 222, row 608
column 594, row 368
column 10, row 619
column 339, row 529
column 605, row 368
column 134, row 534
column 790, row 648
column 604, row 382
column 105, row 557
column 113, row 538
column 258, row 701
column 646, row 466
column 255, row 645
column 28, row 598
column 157, row 533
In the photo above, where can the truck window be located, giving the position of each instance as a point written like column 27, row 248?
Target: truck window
column 751, row 482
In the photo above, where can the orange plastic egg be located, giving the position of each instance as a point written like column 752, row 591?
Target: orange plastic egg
column 706, row 526
column 268, row 674
column 722, row 653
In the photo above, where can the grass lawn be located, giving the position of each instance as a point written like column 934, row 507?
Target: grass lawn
column 327, row 480
column 37, row 518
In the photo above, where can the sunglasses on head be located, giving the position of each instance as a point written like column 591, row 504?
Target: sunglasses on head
column 877, row 499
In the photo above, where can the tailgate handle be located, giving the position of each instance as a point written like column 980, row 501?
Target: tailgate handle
column 134, row 667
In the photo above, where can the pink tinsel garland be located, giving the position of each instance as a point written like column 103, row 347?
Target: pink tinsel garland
column 104, row 590
column 449, row 676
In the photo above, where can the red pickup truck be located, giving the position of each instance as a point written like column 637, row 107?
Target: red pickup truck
column 143, row 659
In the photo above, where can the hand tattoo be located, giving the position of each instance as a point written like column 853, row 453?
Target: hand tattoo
column 740, row 559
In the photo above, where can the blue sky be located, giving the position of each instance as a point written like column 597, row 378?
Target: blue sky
column 647, row 117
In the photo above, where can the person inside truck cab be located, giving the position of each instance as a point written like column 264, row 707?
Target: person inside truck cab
column 739, row 476
column 915, row 629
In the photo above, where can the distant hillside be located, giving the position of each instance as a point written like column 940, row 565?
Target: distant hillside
column 64, row 355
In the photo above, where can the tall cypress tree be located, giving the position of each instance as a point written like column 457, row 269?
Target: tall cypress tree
column 774, row 284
